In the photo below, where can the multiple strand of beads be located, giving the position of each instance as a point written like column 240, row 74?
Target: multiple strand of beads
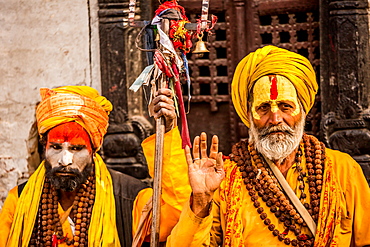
column 315, row 158
column 48, row 220
column 262, row 186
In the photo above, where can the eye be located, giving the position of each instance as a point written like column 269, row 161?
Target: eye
column 55, row 146
column 263, row 107
column 77, row 148
column 286, row 106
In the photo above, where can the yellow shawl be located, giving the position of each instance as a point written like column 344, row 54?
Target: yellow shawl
column 328, row 227
column 102, row 230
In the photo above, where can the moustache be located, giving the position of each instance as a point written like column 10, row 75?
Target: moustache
column 70, row 171
column 277, row 128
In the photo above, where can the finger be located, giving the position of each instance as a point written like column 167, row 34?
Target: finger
column 163, row 105
column 219, row 162
column 165, row 113
column 189, row 159
column 196, row 147
column 165, row 91
column 203, row 145
column 214, row 147
column 162, row 98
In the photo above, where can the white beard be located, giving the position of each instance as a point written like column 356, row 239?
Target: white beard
column 277, row 147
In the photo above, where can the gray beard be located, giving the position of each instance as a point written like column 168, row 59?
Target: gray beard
column 277, row 147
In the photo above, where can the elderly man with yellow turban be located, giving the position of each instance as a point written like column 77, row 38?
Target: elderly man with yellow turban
column 72, row 199
column 281, row 187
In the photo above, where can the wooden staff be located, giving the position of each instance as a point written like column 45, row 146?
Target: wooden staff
column 158, row 163
column 157, row 183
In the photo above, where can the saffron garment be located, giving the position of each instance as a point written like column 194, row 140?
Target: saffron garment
column 175, row 193
column 233, row 215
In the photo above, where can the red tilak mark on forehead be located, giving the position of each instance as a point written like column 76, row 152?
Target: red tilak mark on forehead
column 70, row 132
column 273, row 88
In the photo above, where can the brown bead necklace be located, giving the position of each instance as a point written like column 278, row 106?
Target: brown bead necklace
column 262, row 186
column 48, row 229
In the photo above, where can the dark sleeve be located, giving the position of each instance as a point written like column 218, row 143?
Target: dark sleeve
column 125, row 190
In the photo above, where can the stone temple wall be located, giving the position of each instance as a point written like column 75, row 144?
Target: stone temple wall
column 44, row 43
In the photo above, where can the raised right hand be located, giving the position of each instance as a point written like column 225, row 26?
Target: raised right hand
column 205, row 173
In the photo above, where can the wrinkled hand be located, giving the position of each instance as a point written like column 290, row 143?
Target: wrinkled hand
column 163, row 105
column 205, row 173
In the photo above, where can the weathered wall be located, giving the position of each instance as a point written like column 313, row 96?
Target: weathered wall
column 44, row 43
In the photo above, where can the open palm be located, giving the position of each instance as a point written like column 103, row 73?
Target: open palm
column 205, row 173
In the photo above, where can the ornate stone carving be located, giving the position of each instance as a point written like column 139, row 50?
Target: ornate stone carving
column 121, row 148
column 345, row 78
column 347, row 128
column 121, row 63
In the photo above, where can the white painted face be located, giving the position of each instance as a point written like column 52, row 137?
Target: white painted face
column 271, row 91
column 67, row 155
column 68, row 152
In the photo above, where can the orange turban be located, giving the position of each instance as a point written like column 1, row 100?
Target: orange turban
column 272, row 60
column 80, row 104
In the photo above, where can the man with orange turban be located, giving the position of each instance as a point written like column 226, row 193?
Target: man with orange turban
column 281, row 187
column 72, row 199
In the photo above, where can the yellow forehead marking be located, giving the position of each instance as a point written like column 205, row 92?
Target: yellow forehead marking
column 272, row 90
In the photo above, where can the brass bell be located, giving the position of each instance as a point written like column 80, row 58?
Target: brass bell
column 200, row 46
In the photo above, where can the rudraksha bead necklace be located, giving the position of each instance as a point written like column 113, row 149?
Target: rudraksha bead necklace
column 262, row 186
column 48, row 226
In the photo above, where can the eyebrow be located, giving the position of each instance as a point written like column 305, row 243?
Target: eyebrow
column 78, row 145
column 55, row 143
column 286, row 101
column 73, row 145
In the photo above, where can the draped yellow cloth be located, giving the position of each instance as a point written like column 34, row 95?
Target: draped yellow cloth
column 85, row 106
column 81, row 104
column 328, row 228
column 102, row 230
column 272, row 60
column 175, row 192
column 344, row 216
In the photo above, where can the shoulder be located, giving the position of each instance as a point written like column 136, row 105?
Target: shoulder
column 341, row 161
column 10, row 201
column 125, row 185
column 344, row 166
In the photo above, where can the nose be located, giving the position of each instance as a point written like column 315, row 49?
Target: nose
column 275, row 118
column 66, row 159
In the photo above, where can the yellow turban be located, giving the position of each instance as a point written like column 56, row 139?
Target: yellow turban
column 272, row 60
column 81, row 104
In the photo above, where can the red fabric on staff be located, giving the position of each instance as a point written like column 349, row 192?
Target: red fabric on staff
column 159, row 61
column 171, row 5
column 184, row 123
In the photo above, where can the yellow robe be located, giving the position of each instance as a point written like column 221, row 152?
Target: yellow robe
column 175, row 190
column 354, row 219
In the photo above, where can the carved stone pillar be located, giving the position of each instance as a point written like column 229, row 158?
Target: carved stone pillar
column 345, row 80
column 121, row 62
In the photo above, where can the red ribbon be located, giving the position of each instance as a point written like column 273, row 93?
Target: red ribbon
column 184, row 123
column 162, row 65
